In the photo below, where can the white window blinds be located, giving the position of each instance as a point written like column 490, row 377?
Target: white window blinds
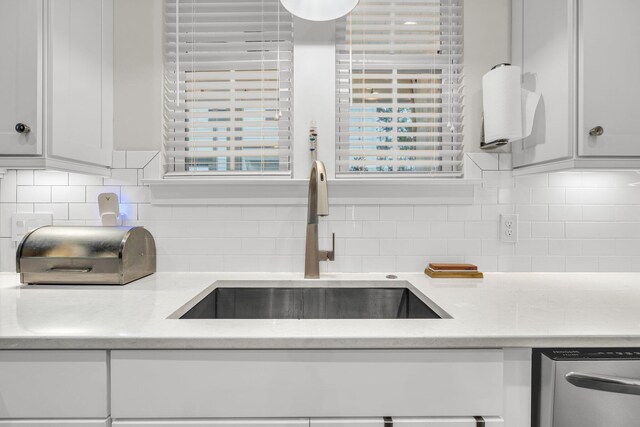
column 399, row 89
column 228, row 71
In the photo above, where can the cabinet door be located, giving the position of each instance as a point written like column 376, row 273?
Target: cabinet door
column 80, row 58
column 55, row 384
column 548, row 68
column 54, row 423
column 20, row 75
column 609, row 62
column 300, row 422
column 406, row 422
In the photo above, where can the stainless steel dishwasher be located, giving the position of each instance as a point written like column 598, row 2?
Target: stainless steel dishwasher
column 589, row 388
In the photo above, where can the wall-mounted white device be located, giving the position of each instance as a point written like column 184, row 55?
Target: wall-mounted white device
column 109, row 209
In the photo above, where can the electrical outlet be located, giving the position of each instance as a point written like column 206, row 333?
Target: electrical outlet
column 509, row 228
column 23, row 223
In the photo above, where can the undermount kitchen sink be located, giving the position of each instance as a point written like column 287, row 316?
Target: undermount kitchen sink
column 300, row 300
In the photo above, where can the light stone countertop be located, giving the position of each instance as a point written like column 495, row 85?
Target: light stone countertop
column 502, row 310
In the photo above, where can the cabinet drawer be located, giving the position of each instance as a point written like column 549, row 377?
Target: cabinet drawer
column 305, row 383
column 53, row 384
column 213, row 423
column 405, row 422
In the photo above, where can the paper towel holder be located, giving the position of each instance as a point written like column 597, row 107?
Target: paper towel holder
column 491, row 145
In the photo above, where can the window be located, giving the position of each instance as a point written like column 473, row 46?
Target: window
column 228, row 79
column 399, row 89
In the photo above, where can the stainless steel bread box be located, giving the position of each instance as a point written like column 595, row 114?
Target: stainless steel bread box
column 86, row 255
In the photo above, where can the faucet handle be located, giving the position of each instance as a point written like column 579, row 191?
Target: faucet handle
column 329, row 255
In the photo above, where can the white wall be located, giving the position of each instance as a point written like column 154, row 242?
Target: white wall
column 573, row 221
column 138, row 67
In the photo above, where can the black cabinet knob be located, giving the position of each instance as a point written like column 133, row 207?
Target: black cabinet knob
column 22, row 128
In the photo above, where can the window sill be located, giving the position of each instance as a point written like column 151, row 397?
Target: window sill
column 277, row 191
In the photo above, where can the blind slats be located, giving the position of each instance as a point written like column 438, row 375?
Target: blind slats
column 399, row 82
column 228, row 87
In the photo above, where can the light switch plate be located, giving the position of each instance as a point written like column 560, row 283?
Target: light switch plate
column 23, row 223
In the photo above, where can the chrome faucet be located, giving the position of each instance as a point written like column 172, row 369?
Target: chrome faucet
column 318, row 206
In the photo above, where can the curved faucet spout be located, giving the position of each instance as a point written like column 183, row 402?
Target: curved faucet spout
column 318, row 193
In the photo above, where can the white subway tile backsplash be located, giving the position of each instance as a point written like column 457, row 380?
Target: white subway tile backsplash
column 389, row 247
column 92, row 192
column 8, row 187
column 60, row 211
column 582, row 264
column 82, row 179
column 151, row 212
column 362, row 247
column 396, row 213
column 464, row 247
column 547, row 196
column 446, row 230
column 24, row 177
column 573, row 221
column 614, row 264
column 565, row 247
column 276, row 229
column 183, row 213
column 362, row 213
column 259, row 212
column 430, row 247
column 532, row 212
column 84, row 211
column 565, row 179
column 411, row 229
column 481, row 230
column 430, row 213
column 565, row 213
column 50, row 178
column 379, row 264
column 68, row 194
column 133, row 195
column 34, row 194
column 122, row 177
column 464, row 213
column 537, row 247
column 554, row 230
column 514, row 263
column 501, row 179
column 379, row 229
column 548, row 264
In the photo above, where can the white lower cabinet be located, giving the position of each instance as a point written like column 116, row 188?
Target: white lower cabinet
column 321, row 422
column 47, row 385
column 406, row 422
column 54, row 423
column 299, row 422
column 262, row 384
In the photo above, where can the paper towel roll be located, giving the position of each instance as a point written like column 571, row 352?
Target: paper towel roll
column 509, row 110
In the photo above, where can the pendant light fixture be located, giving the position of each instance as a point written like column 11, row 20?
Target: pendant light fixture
column 319, row 10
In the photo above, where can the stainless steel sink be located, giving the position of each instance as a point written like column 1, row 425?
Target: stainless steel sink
column 300, row 300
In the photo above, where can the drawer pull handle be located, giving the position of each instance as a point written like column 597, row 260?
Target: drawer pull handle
column 604, row 383
column 69, row 270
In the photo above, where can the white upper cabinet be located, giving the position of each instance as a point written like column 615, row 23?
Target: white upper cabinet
column 59, row 82
column 20, row 76
column 609, row 70
column 582, row 56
